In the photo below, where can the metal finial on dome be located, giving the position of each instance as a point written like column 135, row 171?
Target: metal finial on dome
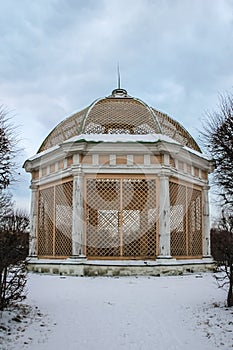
column 119, row 76
column 119, row 92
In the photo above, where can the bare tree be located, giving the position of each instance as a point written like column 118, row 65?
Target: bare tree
column 7, row 149
column 222, row 251
column 13, row 224
column 218, row 143
column 13, row 253
column 225, row 222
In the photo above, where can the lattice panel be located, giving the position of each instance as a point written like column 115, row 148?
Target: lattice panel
column 55, row 220
column 102, row 217
column 114, row 115
column 103, row 194
column 121, row 217
column 104, row 239
column 178, row 219
column 63, row 210
column 138, row 217
column 120, row 116
column 45, row 222
column 131, row 232
column 173, row 129
column 117, row 115
column 185, row 220
column 65, row 130
column 194, row 222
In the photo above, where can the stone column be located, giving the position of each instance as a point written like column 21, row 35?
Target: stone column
column 33, row 221
column 206, row 223
column 78, row 214
column 164, row 218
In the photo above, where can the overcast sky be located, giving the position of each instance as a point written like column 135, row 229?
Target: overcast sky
column 57, row 56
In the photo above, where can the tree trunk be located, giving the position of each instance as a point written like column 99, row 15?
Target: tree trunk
column 1, row 277
column 3, row 291
column 230, row 291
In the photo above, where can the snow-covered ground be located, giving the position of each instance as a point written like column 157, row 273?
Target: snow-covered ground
column 92, row 313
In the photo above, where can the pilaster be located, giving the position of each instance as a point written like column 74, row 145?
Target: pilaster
column 78, row 213
column 164, row 218
column 206, row 223
column 33, row 221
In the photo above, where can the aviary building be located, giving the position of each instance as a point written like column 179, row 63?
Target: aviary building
column 119, row 188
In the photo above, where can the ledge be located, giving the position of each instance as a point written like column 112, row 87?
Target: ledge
column 83, row 267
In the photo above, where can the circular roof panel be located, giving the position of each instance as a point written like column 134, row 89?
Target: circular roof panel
column 118, row 113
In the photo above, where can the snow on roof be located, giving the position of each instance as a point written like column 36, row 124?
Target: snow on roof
column 196, row 152
column 121, row 138
column 43, row 153
column 114, row 138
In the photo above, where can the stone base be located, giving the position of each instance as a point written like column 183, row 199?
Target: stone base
column 77, row 257
column 80, row 267
column 207, row 258
column 165, row 258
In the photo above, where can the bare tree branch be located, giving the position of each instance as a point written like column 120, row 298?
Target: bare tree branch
column 217, row 140
column 13, row 224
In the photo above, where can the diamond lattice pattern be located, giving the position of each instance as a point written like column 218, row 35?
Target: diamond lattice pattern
column 120, row 116
column 185, row 220
column 102, row 217
column 121, row 217
column 55, row 220
column 45, row 222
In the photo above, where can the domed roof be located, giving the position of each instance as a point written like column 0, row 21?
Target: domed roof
column 118, row 113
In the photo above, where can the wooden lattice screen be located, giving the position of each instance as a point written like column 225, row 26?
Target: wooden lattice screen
column 185, row 220
column 120, row 116
column 121, row 217
column 55, row 220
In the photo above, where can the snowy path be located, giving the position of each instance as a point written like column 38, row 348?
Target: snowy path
column 124, row 313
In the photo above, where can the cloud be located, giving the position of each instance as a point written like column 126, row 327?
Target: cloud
column 57, row 56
